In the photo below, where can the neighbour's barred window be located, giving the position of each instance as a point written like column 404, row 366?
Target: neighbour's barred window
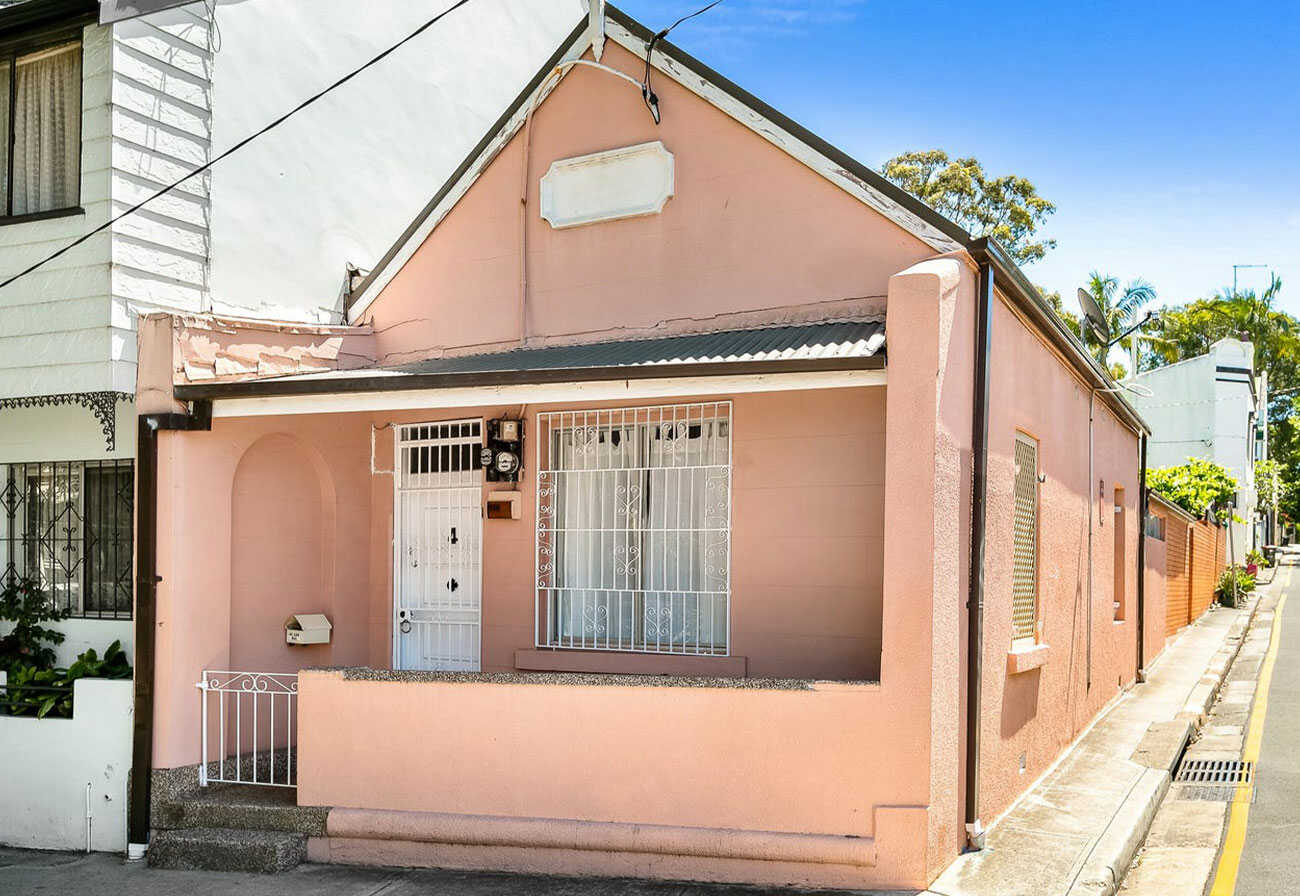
column 68, row 527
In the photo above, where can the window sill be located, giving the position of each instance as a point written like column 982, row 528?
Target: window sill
column 1027, row 658
column 609, row 662
column 41, row 216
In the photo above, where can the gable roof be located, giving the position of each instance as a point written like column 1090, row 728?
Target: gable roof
column 835, row 165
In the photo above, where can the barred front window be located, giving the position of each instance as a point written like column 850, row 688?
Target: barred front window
column 634, row 529
column 68, row 526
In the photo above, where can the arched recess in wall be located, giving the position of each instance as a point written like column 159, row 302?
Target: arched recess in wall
column 282, row 517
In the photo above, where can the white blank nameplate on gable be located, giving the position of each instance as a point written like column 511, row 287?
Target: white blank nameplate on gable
column 609, row 185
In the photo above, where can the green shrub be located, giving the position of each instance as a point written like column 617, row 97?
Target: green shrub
column 27, row 692
column 1197, row 486
column 1256, row 556
column 30, row 643
column 1245, row 583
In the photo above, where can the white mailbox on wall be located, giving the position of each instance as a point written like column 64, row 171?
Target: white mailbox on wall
column 307, row 628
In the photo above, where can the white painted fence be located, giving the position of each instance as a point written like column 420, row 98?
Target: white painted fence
column 64, row 780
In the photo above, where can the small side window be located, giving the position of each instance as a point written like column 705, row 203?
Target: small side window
column 1024, row 578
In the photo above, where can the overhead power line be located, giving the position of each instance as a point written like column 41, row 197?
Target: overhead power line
column 238, row 146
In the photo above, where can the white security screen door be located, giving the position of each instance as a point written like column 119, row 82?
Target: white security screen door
column 437, row 608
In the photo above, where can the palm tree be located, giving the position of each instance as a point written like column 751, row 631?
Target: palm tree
column 1120, row 307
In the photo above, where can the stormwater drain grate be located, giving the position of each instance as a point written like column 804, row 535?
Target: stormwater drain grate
column 1215, row 771
column 1216, row 780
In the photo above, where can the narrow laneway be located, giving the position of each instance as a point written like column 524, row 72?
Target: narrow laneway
column 1267, row 856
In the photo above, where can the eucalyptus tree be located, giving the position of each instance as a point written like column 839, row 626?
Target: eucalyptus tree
column 1007, row 208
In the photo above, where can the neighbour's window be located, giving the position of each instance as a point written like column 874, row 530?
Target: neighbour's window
column 633, row 534
column 67, row 527
column 40, row 113
column 1024, row 575
column 1155, row 527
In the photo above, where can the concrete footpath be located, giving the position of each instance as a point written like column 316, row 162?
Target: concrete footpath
column 1179, row 854
column 1079, row 827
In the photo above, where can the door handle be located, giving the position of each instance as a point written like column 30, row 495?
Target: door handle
column 454, row 539
column 453, row 585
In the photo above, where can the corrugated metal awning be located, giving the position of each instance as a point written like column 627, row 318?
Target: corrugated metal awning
column 853, row 339
column 850, row 345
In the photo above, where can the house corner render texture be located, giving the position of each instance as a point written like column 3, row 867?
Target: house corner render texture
column 642, row 513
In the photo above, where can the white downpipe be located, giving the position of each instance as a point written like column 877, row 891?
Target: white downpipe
column 89, row 818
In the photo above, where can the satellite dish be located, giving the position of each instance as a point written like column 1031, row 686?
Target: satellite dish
column 1096, row 319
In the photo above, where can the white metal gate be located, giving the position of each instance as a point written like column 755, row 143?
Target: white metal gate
column 437, row 608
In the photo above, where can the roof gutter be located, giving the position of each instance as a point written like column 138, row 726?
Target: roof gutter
column 41, row 13
column 1016, row 286
column 146, row 610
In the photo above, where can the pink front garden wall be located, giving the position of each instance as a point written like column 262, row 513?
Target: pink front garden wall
column 817, row 787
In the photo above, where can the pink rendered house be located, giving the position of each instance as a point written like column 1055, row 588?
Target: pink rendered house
column 640, row 495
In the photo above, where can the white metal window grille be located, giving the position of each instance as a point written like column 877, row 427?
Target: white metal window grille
column 247, row 727
column 438, row 606
column 634, row 529
column 67, row 526
column 1024, row 577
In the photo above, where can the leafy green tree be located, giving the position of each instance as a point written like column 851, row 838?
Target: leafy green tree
column 1190, row 330
column 1007, row 208
column 1271, row 485
column 1070, row 319
column 1196, row 486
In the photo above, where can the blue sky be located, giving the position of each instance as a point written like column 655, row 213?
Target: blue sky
column 1167, row 133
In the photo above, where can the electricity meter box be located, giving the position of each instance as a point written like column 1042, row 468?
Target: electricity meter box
column 307, row 628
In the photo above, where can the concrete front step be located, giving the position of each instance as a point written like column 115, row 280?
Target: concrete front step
column 224, row 849
column 240, row 807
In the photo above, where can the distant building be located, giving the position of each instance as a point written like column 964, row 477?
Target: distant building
column 1214, row 406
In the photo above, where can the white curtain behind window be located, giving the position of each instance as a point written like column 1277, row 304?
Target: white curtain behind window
column 598, row 515
column 686, row 550
column 47, row 130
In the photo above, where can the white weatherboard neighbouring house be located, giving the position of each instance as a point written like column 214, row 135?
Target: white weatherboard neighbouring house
column 103, row 107
column 1214, row 406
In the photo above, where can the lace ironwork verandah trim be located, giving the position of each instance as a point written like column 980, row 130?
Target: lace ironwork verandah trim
column 102, row 404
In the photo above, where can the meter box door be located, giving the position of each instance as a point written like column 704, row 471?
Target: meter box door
column 307, row 628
